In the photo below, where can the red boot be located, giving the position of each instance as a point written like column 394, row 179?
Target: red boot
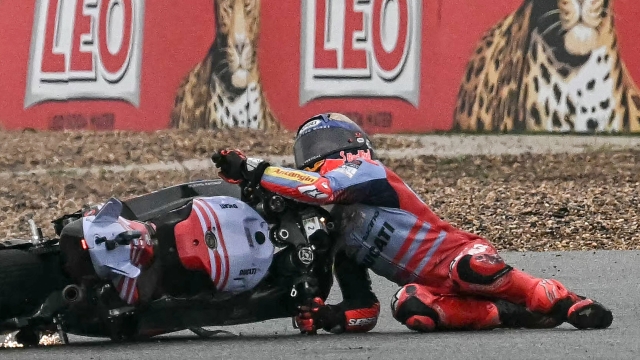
column 551, row 297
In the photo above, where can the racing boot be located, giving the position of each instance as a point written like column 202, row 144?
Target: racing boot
column 516, row 316
column 585, row 313
column 543, row 296
column 551, row 297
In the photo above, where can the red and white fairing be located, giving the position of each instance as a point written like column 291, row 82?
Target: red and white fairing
column 227, row 239
column 222, row 236
column 122, row 265
column 140, row 255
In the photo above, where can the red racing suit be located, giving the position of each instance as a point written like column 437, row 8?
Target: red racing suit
column 384, row 226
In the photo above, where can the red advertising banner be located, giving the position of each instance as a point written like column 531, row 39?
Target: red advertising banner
column 60, row 69
column 392, row 65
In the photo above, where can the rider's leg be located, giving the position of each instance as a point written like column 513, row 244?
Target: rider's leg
column 419, row 309
column 478, row 269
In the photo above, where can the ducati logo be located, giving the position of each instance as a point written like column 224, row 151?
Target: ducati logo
column 85, row 49
column 361, row 48
column 210, row 239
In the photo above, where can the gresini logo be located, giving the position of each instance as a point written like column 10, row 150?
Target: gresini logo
column 361, row 48
column 85, row 49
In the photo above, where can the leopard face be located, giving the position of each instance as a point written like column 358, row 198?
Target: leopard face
column 572, row 28
column 551, row 65
column 237, row 24
column 224, row 89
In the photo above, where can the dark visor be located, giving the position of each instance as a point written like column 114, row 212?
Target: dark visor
column 319, row 143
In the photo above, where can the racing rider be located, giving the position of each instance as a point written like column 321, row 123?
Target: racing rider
column 449, row 278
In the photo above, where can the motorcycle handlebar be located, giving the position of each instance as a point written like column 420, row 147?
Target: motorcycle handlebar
column 124, row 238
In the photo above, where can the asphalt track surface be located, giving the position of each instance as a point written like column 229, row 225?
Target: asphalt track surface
column 608, row 276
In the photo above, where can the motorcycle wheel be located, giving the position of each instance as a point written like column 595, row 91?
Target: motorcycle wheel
column 26, row 280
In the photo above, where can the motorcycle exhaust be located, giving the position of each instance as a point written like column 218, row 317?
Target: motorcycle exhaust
column 72, row 293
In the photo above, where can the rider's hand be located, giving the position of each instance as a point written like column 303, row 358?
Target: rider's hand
column 319, row 316
column 232, row 165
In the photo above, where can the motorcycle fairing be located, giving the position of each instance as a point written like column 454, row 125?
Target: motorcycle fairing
column 228, row 240
column 107, row 223
column 148, row 206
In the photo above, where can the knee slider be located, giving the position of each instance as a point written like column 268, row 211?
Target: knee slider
column 421, row 323
column 412, row 302
column 481, row 269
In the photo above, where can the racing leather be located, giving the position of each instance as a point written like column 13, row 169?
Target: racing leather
column 547, row 293
column 481, row 269
column 419, row 309
column 360, row 308
column 359, row 304
column 335, row 319
column 384, row 226
column 361, row 320
column 382, row 222
column 518, row 316
column 420, row 323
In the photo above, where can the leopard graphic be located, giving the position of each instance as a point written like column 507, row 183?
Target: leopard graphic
column 224, row 90
column 550, row 66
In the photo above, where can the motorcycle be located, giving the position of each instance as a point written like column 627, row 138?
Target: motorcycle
column 194, row 255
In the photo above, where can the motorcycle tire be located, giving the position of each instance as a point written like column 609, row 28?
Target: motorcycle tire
column 26, row 279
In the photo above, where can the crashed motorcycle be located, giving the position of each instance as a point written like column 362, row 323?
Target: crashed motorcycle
column 194, row 255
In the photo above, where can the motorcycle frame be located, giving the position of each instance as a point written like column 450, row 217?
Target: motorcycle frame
column 300, row 271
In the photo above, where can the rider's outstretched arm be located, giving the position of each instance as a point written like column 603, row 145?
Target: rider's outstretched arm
column 358, row 181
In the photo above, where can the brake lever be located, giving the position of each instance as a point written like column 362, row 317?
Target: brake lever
column 124, row 238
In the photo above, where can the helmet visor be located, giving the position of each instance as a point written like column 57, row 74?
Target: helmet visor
column 317, row 144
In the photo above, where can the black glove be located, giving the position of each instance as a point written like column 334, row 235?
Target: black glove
column 235, row 169
column 232, row 165
column 320, row 316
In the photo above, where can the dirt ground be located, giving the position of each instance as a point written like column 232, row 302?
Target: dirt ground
column 29, row 150
column 585, row 197
column 524, row 193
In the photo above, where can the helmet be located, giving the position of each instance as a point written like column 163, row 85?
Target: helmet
column 329, row 136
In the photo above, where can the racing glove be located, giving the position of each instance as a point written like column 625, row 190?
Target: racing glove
column 234, row 167
column 334, row 319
